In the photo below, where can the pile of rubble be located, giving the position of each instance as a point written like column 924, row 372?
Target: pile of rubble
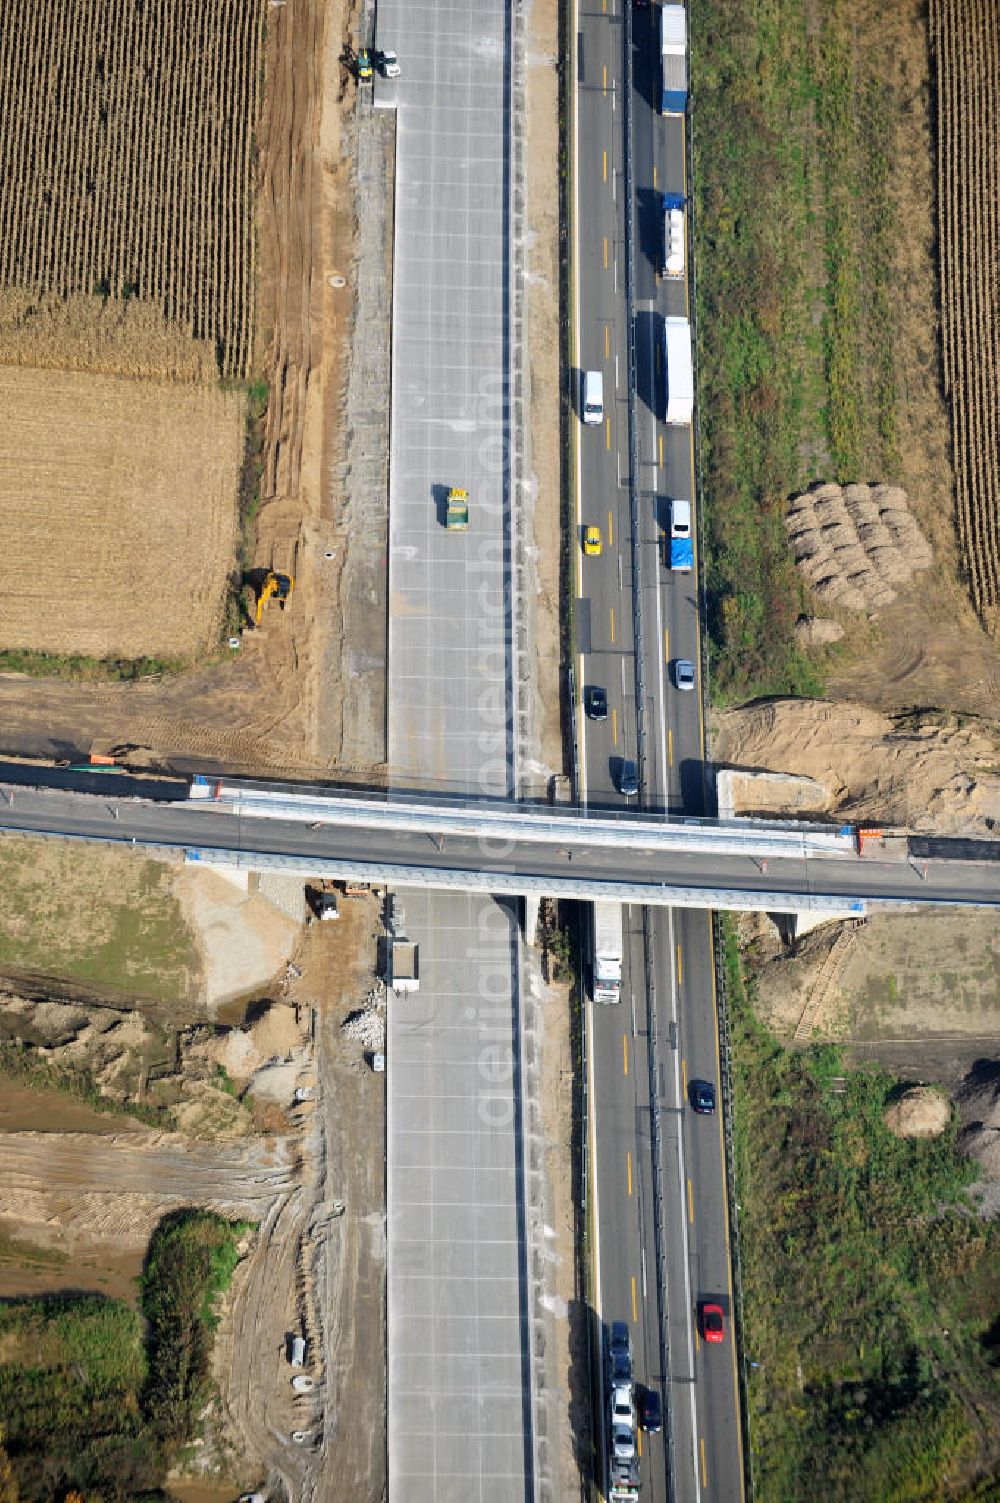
column 366, row 1025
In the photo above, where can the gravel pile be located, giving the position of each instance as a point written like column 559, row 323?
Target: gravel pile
column 367, row 1027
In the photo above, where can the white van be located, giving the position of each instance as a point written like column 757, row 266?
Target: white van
column 680, row 519
column 593, row 397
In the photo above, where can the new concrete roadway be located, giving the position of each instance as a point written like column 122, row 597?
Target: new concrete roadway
column 459, row 1369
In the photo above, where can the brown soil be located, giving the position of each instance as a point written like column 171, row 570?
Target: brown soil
column 28, row 1109
column 313, row 1270
column 921, row 1112
column 35, row 1264
column 119, row 514
column 544, row 345
column 930, row 772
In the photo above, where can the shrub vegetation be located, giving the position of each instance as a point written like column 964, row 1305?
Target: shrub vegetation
column 92, row 1402
column 871, row 1287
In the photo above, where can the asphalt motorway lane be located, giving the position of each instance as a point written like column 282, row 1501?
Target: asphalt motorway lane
column 625, row 1272
column 700, row 1387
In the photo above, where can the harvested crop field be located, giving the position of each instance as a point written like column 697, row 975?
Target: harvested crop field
column 965, row 41
column 119, row 507
column 127, row 152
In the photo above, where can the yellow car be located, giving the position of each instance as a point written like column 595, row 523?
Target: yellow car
column 592, row 544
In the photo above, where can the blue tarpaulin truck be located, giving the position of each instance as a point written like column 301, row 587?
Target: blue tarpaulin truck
column 673, row 59
column 681, row 543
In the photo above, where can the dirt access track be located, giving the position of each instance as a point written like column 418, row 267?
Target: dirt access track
column 259, row 711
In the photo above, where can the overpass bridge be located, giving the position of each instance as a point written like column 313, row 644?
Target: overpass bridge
column 519, row 850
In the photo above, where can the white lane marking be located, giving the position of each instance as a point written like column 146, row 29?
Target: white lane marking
column 681, row 1185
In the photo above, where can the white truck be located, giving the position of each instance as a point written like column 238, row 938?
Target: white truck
column 678, row 370
column 673, row 59
column 606, row 958
column 404, row 965
column 672, row 257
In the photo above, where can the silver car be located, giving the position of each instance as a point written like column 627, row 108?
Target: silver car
column 684, row 674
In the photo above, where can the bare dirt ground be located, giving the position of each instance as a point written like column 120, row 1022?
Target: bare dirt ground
column 543, row 351
column 119, row 520
column 567, row 1393
column 122, row 927
column 319, row 1265
column 919, row 771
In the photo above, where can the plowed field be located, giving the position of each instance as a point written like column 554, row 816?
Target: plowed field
column 126, row 155
column 965, row 39
column 118, row 509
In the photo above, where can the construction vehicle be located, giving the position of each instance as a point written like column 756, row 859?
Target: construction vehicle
column 322, row 899
column 278, row 585
column 364, row 66
column 457, row 514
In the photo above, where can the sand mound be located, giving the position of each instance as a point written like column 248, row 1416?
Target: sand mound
column 921, row 1112
column 817, row 631
column 854, row 544
column 922, row 773
column 276, row 1033
column 276, row 1082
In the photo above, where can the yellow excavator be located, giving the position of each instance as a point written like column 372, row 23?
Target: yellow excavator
column 280, row 586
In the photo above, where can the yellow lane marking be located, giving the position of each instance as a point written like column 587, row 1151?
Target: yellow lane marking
column 614, row 726
column 611, row 530
column 605, row 168
column 680, row 968
column 684, row 1076
column 605, row 253
column 612, row 624
column 654, row 174
column 661, row 451
column 607, row 433
column 629, row 1158
column 607, row 341
column 639, row 1439
column 625, row 1051
column 704, row 1470
column 605, row 72
column 635, row 1310
column 670, row 748
column 690, row 1204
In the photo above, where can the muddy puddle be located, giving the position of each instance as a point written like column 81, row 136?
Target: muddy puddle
column 27, row 1109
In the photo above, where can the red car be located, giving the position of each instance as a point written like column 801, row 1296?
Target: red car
column 713, row 1327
